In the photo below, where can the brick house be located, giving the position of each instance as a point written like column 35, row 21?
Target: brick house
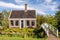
column 22, row 18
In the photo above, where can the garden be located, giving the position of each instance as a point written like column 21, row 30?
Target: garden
column 21, row 34
column 7, row 33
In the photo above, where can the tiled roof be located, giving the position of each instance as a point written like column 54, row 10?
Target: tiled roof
column 23, row 14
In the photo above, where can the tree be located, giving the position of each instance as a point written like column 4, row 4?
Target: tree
column 0, row 19
column 5, row 16
column 48, row 19
column 51, row 20
column 40, row 20
column 38, row 32
column 57, row 16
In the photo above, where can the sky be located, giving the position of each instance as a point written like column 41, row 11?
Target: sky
column 42, row 7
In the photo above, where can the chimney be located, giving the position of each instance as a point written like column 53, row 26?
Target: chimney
column 25, row 7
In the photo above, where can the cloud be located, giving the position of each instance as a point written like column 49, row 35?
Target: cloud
column 20, row 1
column 50, row 6
column 54, row 3
column 38, row 0
column 48, row 1
column 10, row 5
column 31, row 7
column 41, row 8
column 41, row 12
column 47, row 4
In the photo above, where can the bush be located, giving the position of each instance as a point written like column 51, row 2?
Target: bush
column 24, row 33
column 39, row 33
column 59, row 34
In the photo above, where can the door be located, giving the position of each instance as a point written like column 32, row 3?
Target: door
column 22, row 24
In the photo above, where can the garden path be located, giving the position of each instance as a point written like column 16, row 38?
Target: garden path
column 52, row 37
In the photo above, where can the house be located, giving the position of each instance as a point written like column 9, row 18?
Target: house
column 22, row 18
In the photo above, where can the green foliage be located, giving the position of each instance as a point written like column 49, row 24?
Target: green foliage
column 48, row 19
column 25, row 32
column 59, row 34
column 39, row 33
column 40, row 20
column 51, row 20
column 57, row 16
column 0, row 23
column 5, row 16
column 5, row 37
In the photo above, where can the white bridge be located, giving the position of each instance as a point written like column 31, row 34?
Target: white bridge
column 48, row 27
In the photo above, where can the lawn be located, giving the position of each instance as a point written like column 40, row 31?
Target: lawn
column 18, row 38
column 6, row 37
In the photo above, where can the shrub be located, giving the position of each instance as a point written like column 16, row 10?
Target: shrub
column 39, row 33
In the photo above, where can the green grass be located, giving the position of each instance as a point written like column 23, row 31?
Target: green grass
column 5, row 37
column 18, row 38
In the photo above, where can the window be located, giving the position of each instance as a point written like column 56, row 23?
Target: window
column 12, row 23
column 28, row 23
column 17, row 23
column 33, row 23
column 22, row 23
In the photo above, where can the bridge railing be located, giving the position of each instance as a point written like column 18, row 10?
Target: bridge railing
column 45, row 29
column 53, row 29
